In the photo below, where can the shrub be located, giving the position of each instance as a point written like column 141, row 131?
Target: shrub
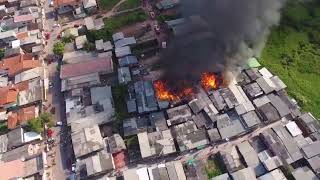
column 58, row 48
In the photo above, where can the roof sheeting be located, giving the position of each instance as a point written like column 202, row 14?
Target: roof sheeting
column 87, row 67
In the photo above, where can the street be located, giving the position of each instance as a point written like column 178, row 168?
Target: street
column 63, row 151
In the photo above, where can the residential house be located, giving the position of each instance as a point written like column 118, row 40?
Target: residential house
column 3, row 143
column 22, row 169
column 115, row 143
column 158, row 121
column 156, row 143
column 276, row 146
column 123, row 51
column 19, row 63
column 85, row 73
column 25, row 152
column 87, row 141
column 178, row 115
column 269, row 161
column 132, row 126
column 251, row 158
column 8, row 97
column 308, row 124
column 195, row 139
column 214, row 135
column 125, row 42
column 21, row 116
column 66, row 6
column 96, row 164
column 167, row 4
column 231, row 159
column 197, row 105
column 228, row 127
column 124, row 75
column 80, row 41
column 95, row 106
column 253, row 90
column 250, row 119
column 6, row 37
column 291, row 146
column 117, row 36
column 311, row 150
column 23, row 20
column 128, row 61
column 18, row 137
column 90, row 6
column 304, row 173
column 276, row 174
column 145, row 96
column 244, row 174
column 32, row 93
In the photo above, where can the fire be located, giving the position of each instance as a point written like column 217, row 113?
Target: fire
column 209, row 81
column 163, row 93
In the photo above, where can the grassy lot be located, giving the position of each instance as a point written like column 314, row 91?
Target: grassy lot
column 113, row 24
column 107, row 4
column 3, row 128
column 119, row 94
column 212, row 168
column 293, row 53
column 129, row 4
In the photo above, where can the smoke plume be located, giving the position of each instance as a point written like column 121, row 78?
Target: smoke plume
column 218, row 35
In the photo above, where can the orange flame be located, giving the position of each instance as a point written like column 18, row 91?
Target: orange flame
column 163, row 93
column 209, row 81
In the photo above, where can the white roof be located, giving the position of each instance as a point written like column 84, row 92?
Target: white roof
column 122, row 51
column 145, row 149
column 15, row 43
column 88, row 21
column 293, row 128
column 130, row 174
column 30, row 136
column 143, row 173
column 29, row 74
column 265, row 73
column 80, row 40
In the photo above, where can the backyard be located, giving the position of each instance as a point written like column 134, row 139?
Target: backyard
column 115, row 23
column 107, row 4
column 293, row 53
column 129, row 4
column 212, row 168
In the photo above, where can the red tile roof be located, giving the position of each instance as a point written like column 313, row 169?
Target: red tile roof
column 19, row 63
column 120, row 159
column 12, row 169
column 20, row 116
column 57, row 3
column 8, row 95
column 23, row 18
column 87, row 67
column 22, row 35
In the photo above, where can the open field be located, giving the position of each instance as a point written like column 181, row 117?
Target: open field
column 293, row 53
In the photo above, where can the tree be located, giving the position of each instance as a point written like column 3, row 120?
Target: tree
column 37, row 124
column 88, row 46
column 58, row 48
column 68, row 39
column 1, row 53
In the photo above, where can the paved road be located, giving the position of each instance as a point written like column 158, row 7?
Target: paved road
column 55, row 100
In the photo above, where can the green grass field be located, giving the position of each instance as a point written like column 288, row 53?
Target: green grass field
column 129, row 4
column 293, row 53
column 107, row 4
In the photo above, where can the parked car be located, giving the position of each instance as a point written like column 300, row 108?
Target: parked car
column 59, row 123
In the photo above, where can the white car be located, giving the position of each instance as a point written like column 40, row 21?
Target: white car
column 56, row 25
column 59, row 123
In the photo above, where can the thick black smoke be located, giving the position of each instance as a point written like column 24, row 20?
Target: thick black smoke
column 219, row 35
